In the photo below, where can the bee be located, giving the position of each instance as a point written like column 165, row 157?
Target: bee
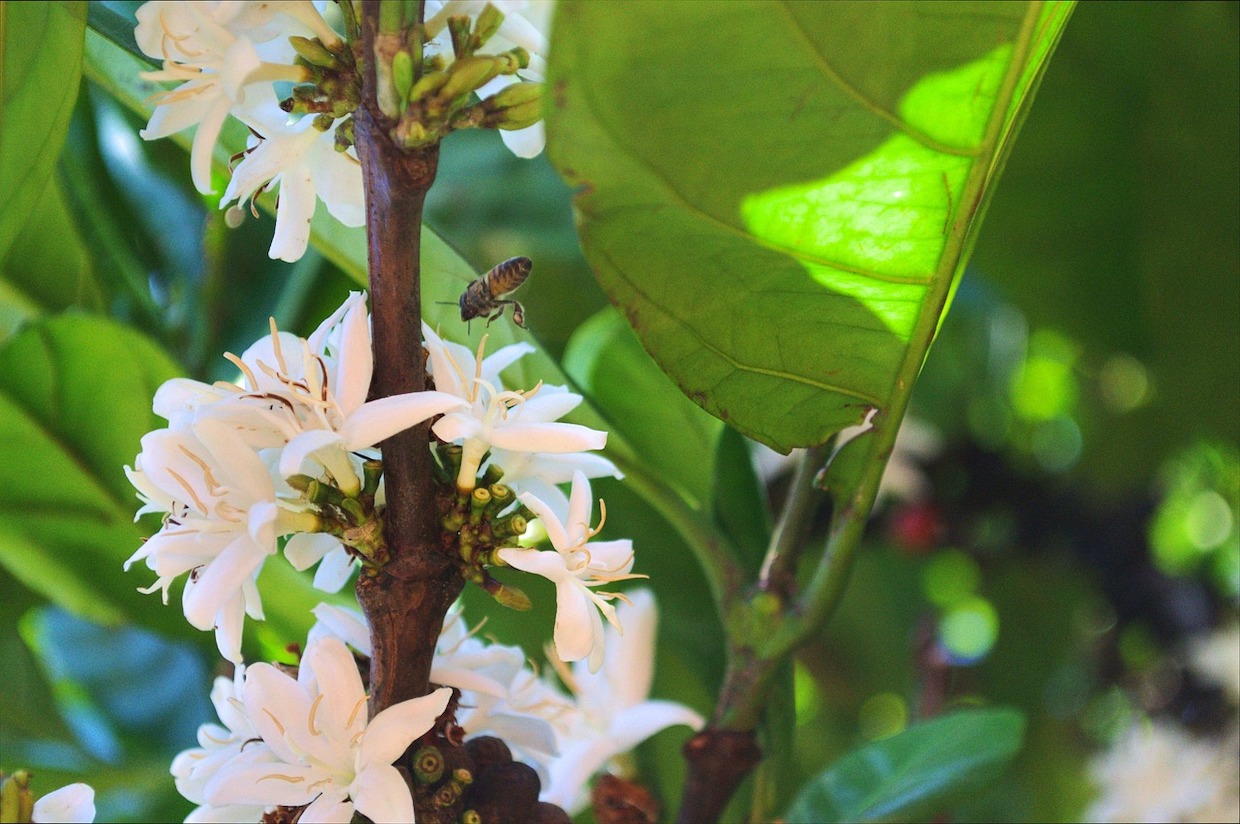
column 486, row 293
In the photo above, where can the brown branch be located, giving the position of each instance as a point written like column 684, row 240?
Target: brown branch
column 718, row 761
column 406, row 601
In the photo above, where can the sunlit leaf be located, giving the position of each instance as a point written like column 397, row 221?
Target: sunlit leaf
column 40, row 63
column 784, row 241
column 913, row 774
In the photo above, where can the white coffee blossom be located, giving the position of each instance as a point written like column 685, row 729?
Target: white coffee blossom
column 517, row 422
column 612, row 712
column 218, row 744
column 1158, row 772
column 577, row 567
column 318, row 747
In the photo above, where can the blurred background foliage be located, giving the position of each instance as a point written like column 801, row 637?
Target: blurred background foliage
column 1077, row 526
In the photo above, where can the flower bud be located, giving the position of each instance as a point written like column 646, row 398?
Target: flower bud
column 402, row 73
column 508, row 596
column 479, row 499
column 501, row 495
column 515, row 107
column 16, row 800
column 428, row 765
column 468, row 73
column 488, row 23
column 314, row 52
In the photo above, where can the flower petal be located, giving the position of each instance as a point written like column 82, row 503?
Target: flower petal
column 550, row 521
column 305, row 549
column 328, row 808
column 392, row 731
column 381, row 794
column 380, row 419
column 334, row 571
column 70, row 804
column 547, row 437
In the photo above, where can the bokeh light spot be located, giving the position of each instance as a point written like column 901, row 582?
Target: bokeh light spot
column 882, row 715
column 1124, row 384
column 950, row 577
column 1208, row 520
column 1057, row 443
column 808, row 697
column 968, row 630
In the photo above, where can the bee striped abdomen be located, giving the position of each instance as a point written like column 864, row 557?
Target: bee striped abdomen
column 486, row 294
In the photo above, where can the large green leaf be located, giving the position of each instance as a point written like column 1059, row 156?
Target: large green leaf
column 40, row 63
column 785, row 240
column 916, row 773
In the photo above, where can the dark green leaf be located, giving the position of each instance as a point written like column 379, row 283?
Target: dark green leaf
column 914, row 774
column 40, row 63
column 784, row 241
column 740, row 501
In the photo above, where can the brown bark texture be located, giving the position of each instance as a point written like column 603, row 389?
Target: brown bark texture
column 406, row 601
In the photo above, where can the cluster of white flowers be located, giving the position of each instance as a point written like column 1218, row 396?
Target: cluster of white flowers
column 293, row 741
column 220, row 472
column 228, row 54
column 217, row 473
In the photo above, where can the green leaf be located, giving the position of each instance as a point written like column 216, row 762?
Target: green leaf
column 916, row 773
column 40, row 64
column 75, row 398
column 48, row 268
column 26, row 706
column 784, row 241
column 740, row 501
column 673, row 437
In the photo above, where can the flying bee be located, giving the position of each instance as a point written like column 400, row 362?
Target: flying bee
column 486, row 294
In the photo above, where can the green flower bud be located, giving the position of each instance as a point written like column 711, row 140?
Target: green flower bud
column 515, row 107
column 501, row 495
column 16, row 800
column 508, row 596
column 402, row 73
column 489, row 20
column 468, row 73
column 314, row 52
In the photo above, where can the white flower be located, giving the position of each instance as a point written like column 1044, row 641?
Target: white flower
column 319, row 748
column 540, row 473
column 576, row 566
column 613, row 714
column 519, row 422
column 527, row 23
column 348, row 625
column 218, row 745
column 214, row 50
column 1216, row 659
column 1157, row 772
column 303, row 162
column 500, row 694
column 221, row 524
column 71, row 804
